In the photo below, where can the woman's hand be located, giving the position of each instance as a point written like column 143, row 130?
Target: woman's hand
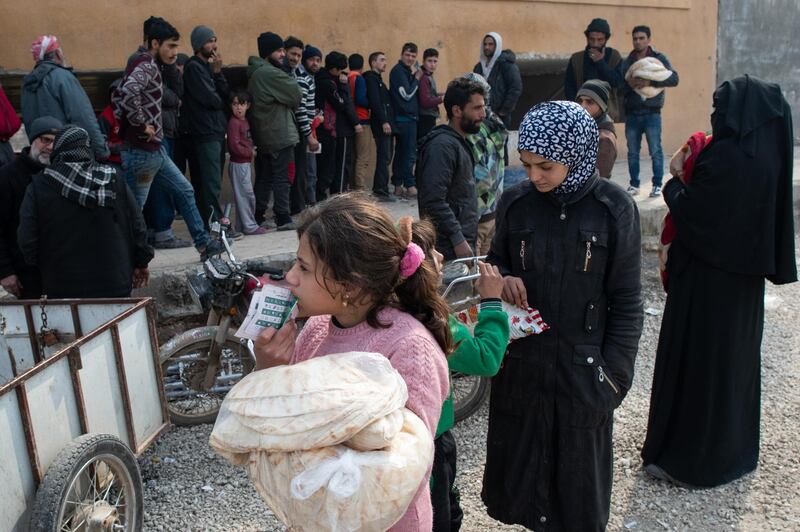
column 514, row 291
column 274, row 347
column 490, row 284
column 676, row 163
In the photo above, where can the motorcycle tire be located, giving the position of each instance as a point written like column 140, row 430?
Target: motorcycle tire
column 190, row 350
column 469, row 392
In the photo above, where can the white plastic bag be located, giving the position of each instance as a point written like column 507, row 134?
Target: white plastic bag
column 339, row 489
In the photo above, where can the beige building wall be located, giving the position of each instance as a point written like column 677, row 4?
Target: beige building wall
column 101, row 34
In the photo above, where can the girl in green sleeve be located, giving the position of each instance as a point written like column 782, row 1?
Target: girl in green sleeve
column 480, row 354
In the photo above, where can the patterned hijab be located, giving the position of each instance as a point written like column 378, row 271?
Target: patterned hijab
column 565, row 133
column 74, row 171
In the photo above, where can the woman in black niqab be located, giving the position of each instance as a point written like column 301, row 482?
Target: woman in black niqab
column 735, row 227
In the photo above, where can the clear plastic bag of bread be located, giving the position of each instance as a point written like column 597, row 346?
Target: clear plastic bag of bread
column 327, row 442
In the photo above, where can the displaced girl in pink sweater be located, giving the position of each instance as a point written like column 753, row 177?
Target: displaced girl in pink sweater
column 366, row 287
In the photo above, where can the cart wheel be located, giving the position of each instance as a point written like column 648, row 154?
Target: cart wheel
column 469, row 391
column 93, row 484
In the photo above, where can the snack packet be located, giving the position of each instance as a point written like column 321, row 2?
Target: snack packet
column 521, row 322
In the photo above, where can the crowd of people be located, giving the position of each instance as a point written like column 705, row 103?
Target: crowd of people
column 566, row 241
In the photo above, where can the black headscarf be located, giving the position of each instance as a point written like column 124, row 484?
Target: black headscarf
column 737, row 212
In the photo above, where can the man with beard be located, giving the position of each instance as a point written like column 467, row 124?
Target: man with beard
column 137, row 104
column 276, row 96
column 500, row 70
column 445, row 171
column 17, row 277
column 304, row 115
column 205, row 95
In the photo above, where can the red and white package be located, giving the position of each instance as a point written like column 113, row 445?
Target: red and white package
column 521, row 322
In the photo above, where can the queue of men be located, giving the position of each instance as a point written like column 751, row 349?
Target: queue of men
column 316, row 124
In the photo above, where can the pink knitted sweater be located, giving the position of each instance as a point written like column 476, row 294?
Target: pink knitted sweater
column 414, row 353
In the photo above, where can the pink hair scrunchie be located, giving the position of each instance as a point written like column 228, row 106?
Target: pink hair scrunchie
column 411, row 260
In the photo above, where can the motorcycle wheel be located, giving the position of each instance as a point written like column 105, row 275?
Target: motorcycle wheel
column 469, row 392
column 183, row 363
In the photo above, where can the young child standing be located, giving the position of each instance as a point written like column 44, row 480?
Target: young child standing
column 240, row 146
column 367, row 287
column 478, row 354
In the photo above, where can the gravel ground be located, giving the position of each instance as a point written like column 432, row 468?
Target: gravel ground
column 187, row 487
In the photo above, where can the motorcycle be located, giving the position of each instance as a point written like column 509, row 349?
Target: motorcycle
column 202, row 364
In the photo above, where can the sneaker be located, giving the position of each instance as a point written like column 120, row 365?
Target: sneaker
column 214, row 247
column 411, row 192
column 232, row 234
column 633, row 190
column 385, row 198
column 259, row 231
column 398, row 191
column 288, row 226
column 655, row 192
column 172, row 243
column 268, row 225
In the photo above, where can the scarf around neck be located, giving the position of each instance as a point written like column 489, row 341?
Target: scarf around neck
column 76, row 174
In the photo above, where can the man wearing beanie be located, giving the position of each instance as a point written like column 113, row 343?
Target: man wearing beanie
column 596, row 61
column 312, row 61
column 17, row 277
column 593, row 96
column 276, row 96
column 205, row 95
column 339, row 127
column 643, row 115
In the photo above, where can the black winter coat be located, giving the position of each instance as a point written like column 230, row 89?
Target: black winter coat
column 14, row 180
column 506, row 83
column 446, row 184
column 337, row 96
column 549, row 449
column 380, row 103
column 205, row 99
column 81, row 251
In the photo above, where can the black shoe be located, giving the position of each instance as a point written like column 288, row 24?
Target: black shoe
column 172, row 243
column 385, row 198
column 288, row 226
column 214, row 247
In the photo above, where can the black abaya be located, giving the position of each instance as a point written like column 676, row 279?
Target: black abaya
column 734, row 229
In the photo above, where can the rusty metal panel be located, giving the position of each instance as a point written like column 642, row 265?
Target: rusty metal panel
column 101, row 393
column 19, row 484
column 141, row 375
column 123, row 387
column 54, row 414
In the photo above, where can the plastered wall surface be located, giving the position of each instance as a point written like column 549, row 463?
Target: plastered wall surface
column 102, row 34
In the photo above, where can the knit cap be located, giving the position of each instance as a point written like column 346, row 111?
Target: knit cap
column 42, row 126
column 598, row 90
column 268, row 42
column 311, row 51
column 599, row 25
column 200, row 36
column 335, row 60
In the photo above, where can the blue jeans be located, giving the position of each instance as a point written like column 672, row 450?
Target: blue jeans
column 154, row 170
column 648, row 125
column 405, row 154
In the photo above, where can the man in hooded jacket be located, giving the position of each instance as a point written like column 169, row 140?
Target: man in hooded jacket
column 499, row 68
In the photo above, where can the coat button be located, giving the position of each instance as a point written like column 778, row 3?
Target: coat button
column 590, row 360
column 591, row 306
column 594, row 238
column 563, row 217
column 542, row 519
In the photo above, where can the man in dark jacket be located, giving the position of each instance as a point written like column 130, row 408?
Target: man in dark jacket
column 276, row 97
column 403, row 88
column 643, row 116
column 205, row 94
column 53, row 90
column 445, row 171
column 339, row 127
column 80, row 224
column 596, row 61
column 499, row 68
column 17, row 277
column 380, row 121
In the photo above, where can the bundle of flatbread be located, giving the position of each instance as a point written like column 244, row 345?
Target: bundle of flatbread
column 327, row 442
column 648, row 68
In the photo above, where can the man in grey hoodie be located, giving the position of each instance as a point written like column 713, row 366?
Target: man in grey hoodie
column 51, row 89
column 500, row 69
